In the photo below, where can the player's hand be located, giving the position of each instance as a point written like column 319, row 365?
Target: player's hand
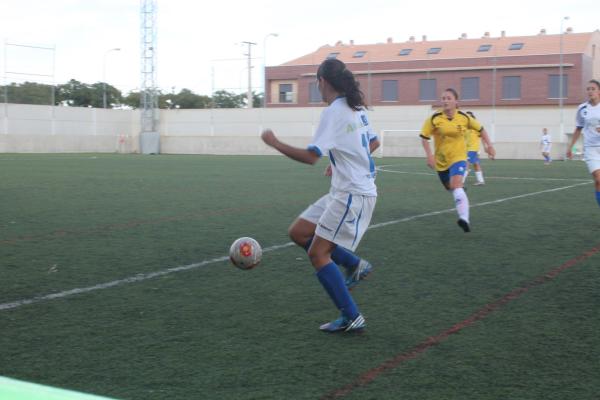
column 431, row 161
column 328, row 171
column 570, row 154
column 491, row 151
column 268, row 137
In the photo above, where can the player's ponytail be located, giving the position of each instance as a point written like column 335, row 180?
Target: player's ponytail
column 342, row 80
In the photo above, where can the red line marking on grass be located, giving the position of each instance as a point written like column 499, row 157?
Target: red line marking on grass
column 369, row 376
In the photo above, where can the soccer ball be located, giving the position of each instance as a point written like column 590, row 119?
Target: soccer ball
column 245, row 253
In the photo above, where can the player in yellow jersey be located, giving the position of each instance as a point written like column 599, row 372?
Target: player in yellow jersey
column 448, row 128
column 473, row 141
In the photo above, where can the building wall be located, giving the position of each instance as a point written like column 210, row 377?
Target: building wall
column 42, row 129
column 533, row 70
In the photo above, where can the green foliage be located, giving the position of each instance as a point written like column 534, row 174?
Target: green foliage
column 79, row 94
column 214, row 332
column 28, row 93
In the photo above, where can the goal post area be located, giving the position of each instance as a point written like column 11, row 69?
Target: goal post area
column 399, row 143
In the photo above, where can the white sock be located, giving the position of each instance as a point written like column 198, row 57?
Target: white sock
column 479, row 176
column 465, row 175
column 462, row 203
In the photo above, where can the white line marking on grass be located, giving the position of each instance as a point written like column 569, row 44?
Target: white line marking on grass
column 131, row 279
column 486, row 203
column 151, row 275
column 487, row 176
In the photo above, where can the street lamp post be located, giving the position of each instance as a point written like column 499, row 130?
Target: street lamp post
column 560, row 80
column 104, row 75
column 264, row 102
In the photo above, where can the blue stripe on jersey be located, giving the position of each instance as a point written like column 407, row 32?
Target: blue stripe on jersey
column 331, row 158
column 315, row 149
column 344, row 216
column 365, row 143
column 358, row 221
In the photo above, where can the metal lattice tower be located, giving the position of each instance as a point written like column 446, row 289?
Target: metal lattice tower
column 149, row 139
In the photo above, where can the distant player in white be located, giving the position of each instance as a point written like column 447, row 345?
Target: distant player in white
column 588, row 122
column 331, row 228
column 546, row 146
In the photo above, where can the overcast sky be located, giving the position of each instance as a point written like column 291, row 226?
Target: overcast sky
column 194, row 36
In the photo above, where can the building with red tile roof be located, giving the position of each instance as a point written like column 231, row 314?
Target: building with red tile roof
column 486, row 71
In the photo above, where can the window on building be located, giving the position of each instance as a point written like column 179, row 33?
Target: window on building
column 469, row 88
column 389, row 90
column 286, row 95
column 332, row 55
column 484, row 47
column 404, row 52
column 427, row 89
column 516, row 46
column 511, row 87
column 434, row 50
column 359, row 54
column 554, row 86
column 314, row 96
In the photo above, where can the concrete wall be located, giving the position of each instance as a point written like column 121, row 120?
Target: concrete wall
column 28, row 128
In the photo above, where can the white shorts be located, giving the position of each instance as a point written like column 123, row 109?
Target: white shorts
column 341, row 218
column 546, row 148
column 591, row 155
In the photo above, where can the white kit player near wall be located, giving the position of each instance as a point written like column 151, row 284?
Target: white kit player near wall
column 546, row 146
column 587, row 121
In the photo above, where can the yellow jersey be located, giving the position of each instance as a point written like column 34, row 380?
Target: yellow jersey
column 449, row 137
column 473, row 140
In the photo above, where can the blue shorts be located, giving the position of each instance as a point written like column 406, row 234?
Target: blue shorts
column 458, row 168
column 473, row 157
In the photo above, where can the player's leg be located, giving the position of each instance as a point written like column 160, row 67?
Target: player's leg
column 302, row 232
column 478, row 173
column 596, row 175
column 461, row 200
column 342, row 225
column 592, row 159
column 332, row 280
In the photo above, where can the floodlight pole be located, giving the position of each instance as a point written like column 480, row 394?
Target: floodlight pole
column 560, row 80
column 250, row 99
column 264, row 102
column 104, row 75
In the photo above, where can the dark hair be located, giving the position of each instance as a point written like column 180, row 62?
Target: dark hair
column 471, row 114
column 342, row 80
column 595, row 82
column 454, row 92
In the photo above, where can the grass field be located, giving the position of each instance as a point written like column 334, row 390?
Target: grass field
column 115, row 282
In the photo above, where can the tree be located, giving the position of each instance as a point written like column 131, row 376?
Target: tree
column 28, row 93
column 78, row 94
column 225, row 99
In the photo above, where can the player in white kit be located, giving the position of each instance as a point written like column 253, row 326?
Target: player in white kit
column 587, row 121
column 331, row 228
column 546, row 146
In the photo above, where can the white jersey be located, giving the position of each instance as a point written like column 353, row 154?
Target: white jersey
column 546, row 143
column 588, row 119
column 344, row 135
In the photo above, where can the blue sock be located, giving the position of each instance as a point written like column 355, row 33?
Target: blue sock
column 340, row 256
column 344, row 257
column 598, row 197
column 332, row 280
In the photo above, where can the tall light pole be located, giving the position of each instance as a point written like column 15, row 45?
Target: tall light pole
column 560, row 79
column 250, row 97
column 104, row 75
column 264, row 102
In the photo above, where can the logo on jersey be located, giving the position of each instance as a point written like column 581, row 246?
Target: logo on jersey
column 350, row 128
column 326, row 228
column 364, row 120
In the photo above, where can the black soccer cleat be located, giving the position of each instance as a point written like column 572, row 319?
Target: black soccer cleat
column 464, row 225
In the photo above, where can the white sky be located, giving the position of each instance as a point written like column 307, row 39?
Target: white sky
column 192, row 34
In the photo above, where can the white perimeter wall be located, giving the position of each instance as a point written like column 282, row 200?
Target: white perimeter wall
column 44, row 129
